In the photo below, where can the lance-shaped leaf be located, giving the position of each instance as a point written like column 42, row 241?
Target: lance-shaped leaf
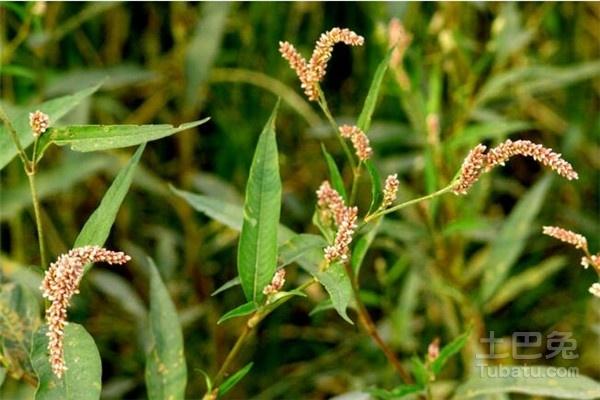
column 83, row 378
column 511, row 240
column 103, row 137
column 55, row 109
column 364, row 123
column 334, row 278
column 257, row 251
column 234, row 379
column 166, row 370
column 334, row 173
column 96, row 229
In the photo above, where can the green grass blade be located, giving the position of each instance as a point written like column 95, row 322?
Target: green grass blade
column 234, row 379
column 448, row 351
column 531, row 278
column 203, row 48
column 512, row 238
column 239, row 311
column 55, row 109
column 103, row 137
column 97, row 228
column 83, row 378
column 364, row 119
column 334, row 174
column 376, row 186
column 257, row 251
column 166, row 370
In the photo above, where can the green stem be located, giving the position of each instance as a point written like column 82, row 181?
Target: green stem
column 355, row 183
column 408, row 203
column 323, row 104
column 249, row 326
column 38, row 218
column 371, row 329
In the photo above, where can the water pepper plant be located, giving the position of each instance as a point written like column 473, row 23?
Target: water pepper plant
column 61, row 359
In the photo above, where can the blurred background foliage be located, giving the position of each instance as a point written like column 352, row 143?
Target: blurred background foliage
column 483, row 71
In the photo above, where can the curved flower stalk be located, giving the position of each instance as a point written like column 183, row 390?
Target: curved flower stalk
column 579, row 242
column 478, row 162
column 60, row 283
column 312, row 72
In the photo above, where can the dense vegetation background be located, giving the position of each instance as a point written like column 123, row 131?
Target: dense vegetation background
column 488, row 71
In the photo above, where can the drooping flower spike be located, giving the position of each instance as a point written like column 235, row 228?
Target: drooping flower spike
column 60, row 283
column 478, row 162
column 312, row 72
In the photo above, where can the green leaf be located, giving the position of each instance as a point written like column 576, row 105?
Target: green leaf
column 364, row 119
column 289, row 252
column 448, row 351
column 227, row 285
column 257, row 250
column 83, row 378
column 55, row 109
column 511, row 240
column 166, row 370
column 419, row 371
column 103, row 137
column 295, row 248
column 376, row 187
column 334, row 173
column 97, row 228
column 239, row 311
column 19, row 319
column 534, row 381
column 203, row 48
column 334, row 279
column 230, row 382
column 49, row 182
column 529, row 279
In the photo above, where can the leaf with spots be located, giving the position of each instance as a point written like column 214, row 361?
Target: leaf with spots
column 83, row 378
column 166, row 370
column 103, row 137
